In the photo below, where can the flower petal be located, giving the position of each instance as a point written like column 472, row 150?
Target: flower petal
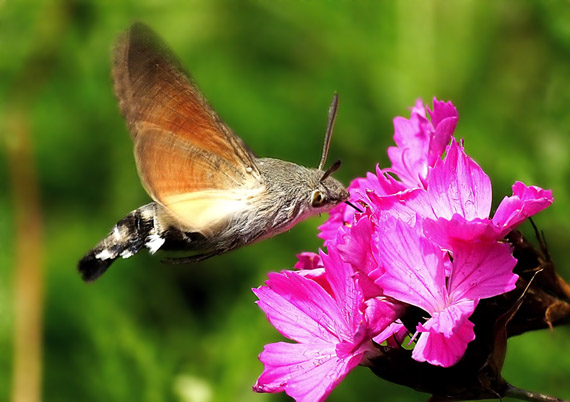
column 442, row 111
column 308, row 260
column 458, row 185
column 444, row 337
column 440, row 350
column 307, row 373
column 318, row 275
column 404, row 205
column 415, row 271
column 338, row 217
column 346, row 292
column 410, row 157
column 380, row 313
column 393, row 335
column 450, row 318
column 525, row 201
column 448, row 232
column 301, row 310
column 357, row 247
column 444, row 118
column 481, row 270
column 359, row 250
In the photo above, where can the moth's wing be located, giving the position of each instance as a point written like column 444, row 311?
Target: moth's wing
column 188, row 159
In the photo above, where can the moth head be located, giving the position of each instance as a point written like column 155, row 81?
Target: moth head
column 328, row 191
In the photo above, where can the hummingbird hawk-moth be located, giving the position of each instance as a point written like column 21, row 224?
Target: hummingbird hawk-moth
column 211, row 193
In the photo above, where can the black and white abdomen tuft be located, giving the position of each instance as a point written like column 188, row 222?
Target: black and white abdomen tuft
column 137, row 230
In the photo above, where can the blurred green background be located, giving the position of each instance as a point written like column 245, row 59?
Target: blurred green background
column 152, row 332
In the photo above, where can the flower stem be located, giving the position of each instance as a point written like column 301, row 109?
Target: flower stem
column 524, row 395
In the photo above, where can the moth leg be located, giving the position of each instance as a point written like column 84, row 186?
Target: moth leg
column 190, row 258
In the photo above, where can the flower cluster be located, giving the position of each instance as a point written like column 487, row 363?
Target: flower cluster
column 422, row 237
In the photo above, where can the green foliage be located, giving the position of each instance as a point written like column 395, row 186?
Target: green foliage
column 152, row 332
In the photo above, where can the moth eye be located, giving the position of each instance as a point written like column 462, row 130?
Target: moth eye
column 317, row 199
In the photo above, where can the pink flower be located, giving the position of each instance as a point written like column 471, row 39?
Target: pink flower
column 333, row 329
column 422, row 236
column 418, row 272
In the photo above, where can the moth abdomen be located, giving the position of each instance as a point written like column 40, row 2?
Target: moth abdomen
column 135, row 231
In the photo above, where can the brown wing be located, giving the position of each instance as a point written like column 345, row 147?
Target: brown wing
column 182, row 148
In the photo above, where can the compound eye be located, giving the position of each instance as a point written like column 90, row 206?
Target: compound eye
column 317, row 198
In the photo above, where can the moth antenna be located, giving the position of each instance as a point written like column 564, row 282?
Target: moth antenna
column 330, row 170
column 353, row 206
column 328, row 134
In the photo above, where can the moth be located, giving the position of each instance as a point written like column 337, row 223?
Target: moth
column 211, row 193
